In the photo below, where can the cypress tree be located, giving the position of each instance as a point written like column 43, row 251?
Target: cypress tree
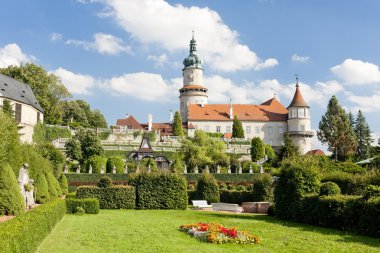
column 177, row 125
column 335, row 130
column 63, row 184
column 51, row 186
column 257, row 149
column 363, row 137
column 11, row 200
column 237, row 128
column 42, row 192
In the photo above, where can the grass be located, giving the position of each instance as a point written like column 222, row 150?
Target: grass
column 157, row 231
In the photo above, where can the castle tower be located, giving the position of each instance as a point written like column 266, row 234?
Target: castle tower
column 192, row 91
column 299, row 126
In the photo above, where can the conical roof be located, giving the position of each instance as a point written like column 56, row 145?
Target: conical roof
column 298, row 100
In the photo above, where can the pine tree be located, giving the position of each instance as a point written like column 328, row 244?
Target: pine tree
column 42, row 192
column 351, row 118
column 335, row 130
column 11, row 200
column 177, row 125
column 257, row 149
column 288, row 150
column 7, row 108
column 363, row 136
column 237, row 129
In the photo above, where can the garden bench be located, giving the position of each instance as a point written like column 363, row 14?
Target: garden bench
column 200, row 204
column 226, row 207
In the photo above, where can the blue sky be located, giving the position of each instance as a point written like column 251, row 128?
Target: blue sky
column 126, row 56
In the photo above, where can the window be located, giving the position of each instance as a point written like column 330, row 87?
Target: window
column 18, row 112
column 218, row 129
column 280, row 130
column 207, row 128
column 271, row 142
column 302, row 127
column 301, row 112
column 294, row 113
column 248, row 129
column 270, row 130
column 228, row 129
column 38, row 116
column 257, row 130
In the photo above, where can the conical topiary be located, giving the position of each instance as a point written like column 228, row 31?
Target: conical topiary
column 207, row 188
column 63, row 183
column 51, row 187
column 42, row 192
column 11, row 200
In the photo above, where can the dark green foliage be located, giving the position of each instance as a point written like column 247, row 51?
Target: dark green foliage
column 269, row 152
column 7, row 108
column 96, row 163
column 42, row 189
column 160, row 191
column 235, row 197
column 263, row 188
column 90, row 205
column 24, row 233
column 349, row 167
column 37, row 163
column 56, row 157
column 63, row 184
column 78, row 113
column 104, row 182
column 176, row 166
column 371, row 191
column 115, row 161
column 191, row 196
column 336, row 131
column 272, row 210
column 207, row 188
column 177, row 125
column 328, row 189
column 11, row 200
column 116, row 197
column 288, row 150
column 294, row 182
column 363, row 137
column 43, row 133
column 51, row 185
column 257, row 149
column 237, row 128
column 73, row 149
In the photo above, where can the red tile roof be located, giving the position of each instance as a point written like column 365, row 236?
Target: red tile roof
column 271, row 110
column 129, row 122
column 315, row 152
column 298, row 100
column 193, row 86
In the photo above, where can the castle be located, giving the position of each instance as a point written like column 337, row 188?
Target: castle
column 269, row 120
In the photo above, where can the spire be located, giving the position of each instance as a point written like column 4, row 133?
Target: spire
column 193, row 44
column 298, row 100
column 297, row 85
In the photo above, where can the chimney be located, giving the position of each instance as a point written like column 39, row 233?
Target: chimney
column 170, row 116
column 231, row 111
column 202, row 103
column 150, row 121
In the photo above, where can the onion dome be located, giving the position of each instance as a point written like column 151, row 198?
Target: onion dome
column 193, row 60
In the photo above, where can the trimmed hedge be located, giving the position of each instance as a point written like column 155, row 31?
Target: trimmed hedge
column 116, row 161
column 236, row 197
column 328, row 189
column 90, row 205
column 263, row 188
column 116, row 197
column 208, row 189
column 25, row 232
column 160, row 191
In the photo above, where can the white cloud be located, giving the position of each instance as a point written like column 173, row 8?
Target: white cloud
column 300, row 59
column 365, row 103
column 159, row 61
column 12, row 54
column 104, row 44
column 75, row 83
column 158, row 22
column 357, row 72
column 56, row 36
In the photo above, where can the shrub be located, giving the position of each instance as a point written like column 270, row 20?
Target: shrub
column 235, row 197
column 63, row 184
column 207, row 188
column 42, row 192
column 104, row 182
column 96, row 163
column 71, row 195
column 352, row 184
column 11, row 200
column 328, row 189
column 51, row 185
column 263, row 188
column 150, row 163
column 115, row 161
column 25, row 232
column 160, row 191
column 80, row 211
column 257, row 149
column 117, row 197
column 90, row 205
column 241, row 188
column 371, row 191
column 294, row 182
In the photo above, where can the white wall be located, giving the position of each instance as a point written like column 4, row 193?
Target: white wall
column 192, row 76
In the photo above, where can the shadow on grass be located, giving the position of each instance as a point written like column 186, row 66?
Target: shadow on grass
column 345, row 236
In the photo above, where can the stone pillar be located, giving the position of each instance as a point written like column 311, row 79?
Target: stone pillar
column 66, row 170
column 218, row 169
column 240, row 170
column 229, row 169
column 261, row 169
column 90, row 169
column 207, row 170
column 196, row 170
column 102, row 170
column 185, row 170
column 250, row 169
column 137, row 169
column 114, row 170
column 126, row 169
column 78, row 169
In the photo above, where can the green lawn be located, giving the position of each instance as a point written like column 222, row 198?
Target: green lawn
column 157, row 231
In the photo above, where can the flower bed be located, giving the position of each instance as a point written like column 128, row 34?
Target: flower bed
column 216, row 233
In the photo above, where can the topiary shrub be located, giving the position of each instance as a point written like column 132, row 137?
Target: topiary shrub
column 328, row 189
column 51, row 186
column 96, row 163
column 207, row 189
column 152, row 165
column 90, row 205
column 294, row 182
column 115, row 161
column 11, row 200
column 104, row 182
column 371, row 191
column 235, row 197
column 263, row 188
column 63, row 184
column 42, row 190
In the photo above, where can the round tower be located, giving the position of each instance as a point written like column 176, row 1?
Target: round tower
column 299, row 126
column 192, row 91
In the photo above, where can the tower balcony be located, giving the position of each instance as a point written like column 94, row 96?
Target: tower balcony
column 301, row 133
